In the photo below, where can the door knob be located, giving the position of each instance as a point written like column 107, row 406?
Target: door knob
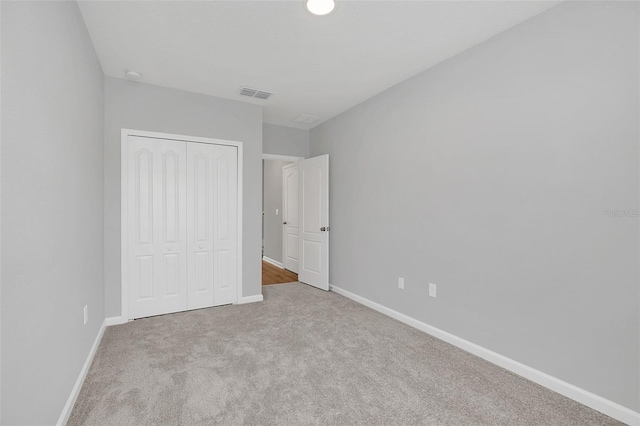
column 325, row 228
column 284, row 223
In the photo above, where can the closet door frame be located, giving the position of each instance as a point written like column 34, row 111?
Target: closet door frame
column 124, row 209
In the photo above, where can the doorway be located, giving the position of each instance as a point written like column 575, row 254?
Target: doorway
column 272, row 274
column 276, row 214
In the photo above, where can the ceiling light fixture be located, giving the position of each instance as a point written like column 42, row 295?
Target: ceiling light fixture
column 320, row 7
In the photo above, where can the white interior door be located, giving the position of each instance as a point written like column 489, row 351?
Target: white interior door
column 225, row 224
column 157, row 220
column 212, row 191
column 290, row 222
column 313, row 213
column 199, row 225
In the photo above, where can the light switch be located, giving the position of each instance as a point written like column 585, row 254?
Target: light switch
column 432, row 290
column 276, row 212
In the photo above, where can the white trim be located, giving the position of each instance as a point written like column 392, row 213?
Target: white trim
column 240, row 192
column 582, row 396
column 250, row 299
column 124, row 225
column 114, row 321
column 281, row 157
column 68, row 407
column 124, row 300
column 273, row 262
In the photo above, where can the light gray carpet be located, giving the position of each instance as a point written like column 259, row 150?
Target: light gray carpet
column 303, row 356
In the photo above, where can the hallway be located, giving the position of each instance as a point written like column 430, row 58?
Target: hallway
column 271, row 274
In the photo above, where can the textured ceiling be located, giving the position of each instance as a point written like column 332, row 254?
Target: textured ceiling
column 319, row 66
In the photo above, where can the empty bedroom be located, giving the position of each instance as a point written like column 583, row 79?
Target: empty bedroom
column 319, row 212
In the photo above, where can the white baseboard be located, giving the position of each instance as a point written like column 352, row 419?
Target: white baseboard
column 250, row 299
column 273, row 262
column 68, row 407
column 580, row 395
column 114, row 321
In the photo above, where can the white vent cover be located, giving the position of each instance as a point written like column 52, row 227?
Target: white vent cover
column 254, row 93
column 306, row 119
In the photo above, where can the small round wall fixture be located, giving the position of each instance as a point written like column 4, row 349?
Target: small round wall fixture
column 133, row 75
column 320, row 7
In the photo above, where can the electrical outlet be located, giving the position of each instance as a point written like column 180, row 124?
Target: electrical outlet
column 86, row 314
column 432, row 290
column 401, row 283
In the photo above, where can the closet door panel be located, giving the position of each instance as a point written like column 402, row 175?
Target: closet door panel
column 144, row 274
column 200, row 225
column 172, row 225
column 225, row 196
column 157, row 226
column 142, row 255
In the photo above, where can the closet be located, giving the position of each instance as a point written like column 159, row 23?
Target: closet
column 181, row 225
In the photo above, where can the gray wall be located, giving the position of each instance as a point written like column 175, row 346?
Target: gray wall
column 272, row 200
column 52, row 228
column 489, row 175
column 141, row 106
column 283, row 140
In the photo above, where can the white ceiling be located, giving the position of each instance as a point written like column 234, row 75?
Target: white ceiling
column 319, row 66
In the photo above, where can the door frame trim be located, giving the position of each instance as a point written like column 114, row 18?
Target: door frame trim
column 277, row 157
column 124, row 207
column 281, row 157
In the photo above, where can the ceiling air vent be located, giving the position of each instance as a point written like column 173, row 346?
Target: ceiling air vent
column 306, row 119
column 254, row 93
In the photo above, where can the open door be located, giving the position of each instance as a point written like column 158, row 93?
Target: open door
column 313, row 216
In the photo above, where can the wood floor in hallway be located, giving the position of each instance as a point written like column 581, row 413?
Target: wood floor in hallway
column 271, row 274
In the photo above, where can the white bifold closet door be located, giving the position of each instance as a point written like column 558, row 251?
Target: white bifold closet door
column 158, row 227
column 182, row 221
column 212, row 203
